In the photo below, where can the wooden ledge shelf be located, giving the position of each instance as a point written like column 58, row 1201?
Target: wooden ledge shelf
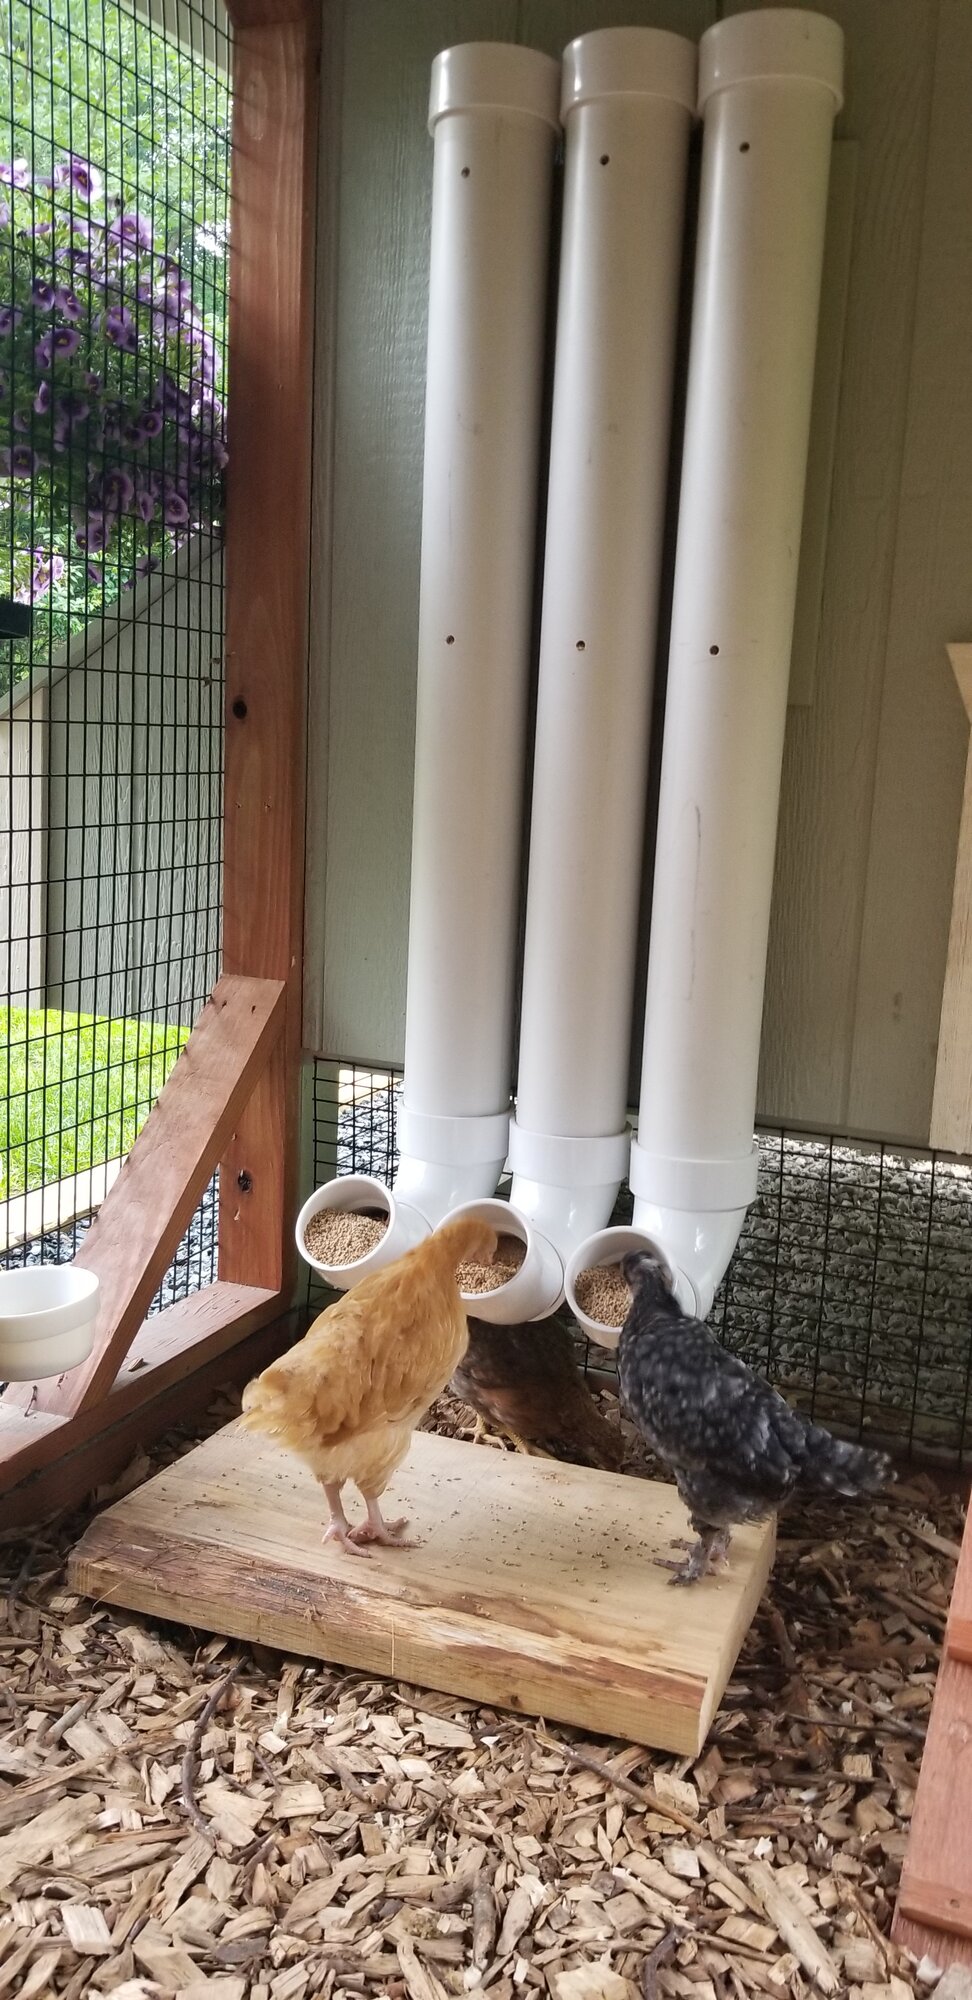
column 178, row 1360
column 533, row 1587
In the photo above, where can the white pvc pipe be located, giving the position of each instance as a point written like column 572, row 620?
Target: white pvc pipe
column 770, row 86
column 494, row 116
column 627, row 105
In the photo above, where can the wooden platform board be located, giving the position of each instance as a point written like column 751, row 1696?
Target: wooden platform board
column 533, row 1589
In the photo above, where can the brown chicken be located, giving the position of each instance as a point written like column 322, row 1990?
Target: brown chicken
column 347, row 1398
column 525, row 1381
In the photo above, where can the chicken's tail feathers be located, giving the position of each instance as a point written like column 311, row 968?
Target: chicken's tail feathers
column 833, row 1465
column 466, row 1239
column 261, row 1406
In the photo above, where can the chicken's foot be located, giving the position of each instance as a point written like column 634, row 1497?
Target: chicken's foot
column 389, row 1534
column 706, row 1555
column 339, row 1528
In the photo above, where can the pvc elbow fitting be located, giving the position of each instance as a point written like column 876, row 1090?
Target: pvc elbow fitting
column 688, row 1214
column 445, row 1163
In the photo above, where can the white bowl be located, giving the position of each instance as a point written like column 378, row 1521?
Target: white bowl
column 607, row 1247
column 535, row 1289
column 47, row 1320
column 406, row 1227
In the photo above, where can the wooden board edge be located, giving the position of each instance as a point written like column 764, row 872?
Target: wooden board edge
column 936, row 1906
column 938, row 1861
column 950, row 1125
column 958, row 1640
column 749, row 1604
column 923, row 1942
column 77, row 1472
column 466, row 1658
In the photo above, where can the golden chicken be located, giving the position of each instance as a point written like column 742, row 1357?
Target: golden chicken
column 349, row 1395
column 525, row 1381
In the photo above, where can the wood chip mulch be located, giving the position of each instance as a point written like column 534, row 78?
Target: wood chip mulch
column 183, row 1817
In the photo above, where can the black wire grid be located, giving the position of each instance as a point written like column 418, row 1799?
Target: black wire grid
column 851, row 1287
column 114, row 178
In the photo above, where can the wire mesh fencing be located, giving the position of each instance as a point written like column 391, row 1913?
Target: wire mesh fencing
column 850, row 1288
column 114, row 186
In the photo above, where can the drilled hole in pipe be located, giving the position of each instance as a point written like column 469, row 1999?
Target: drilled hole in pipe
column 239, row 708
column 744, row 146
column 605, row 157
column 465, row 173
column 713, row 650
column 450, row 638
column 581, row 644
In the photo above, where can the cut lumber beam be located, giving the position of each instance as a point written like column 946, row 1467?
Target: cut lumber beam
column 146, row 1212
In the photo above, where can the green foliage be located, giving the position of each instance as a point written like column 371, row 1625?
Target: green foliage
column 75, row 1091
column 113, row 226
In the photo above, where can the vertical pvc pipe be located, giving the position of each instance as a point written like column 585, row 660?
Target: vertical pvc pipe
column 627, row 105
column 494, row 116
column 770, row 86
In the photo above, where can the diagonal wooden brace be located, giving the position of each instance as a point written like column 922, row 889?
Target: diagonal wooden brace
column 144, row 1216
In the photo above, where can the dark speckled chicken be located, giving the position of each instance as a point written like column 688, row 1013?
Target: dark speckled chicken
column 737, row 1450
column 524, row 1381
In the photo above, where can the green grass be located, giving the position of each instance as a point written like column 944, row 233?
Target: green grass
column 74, row 1091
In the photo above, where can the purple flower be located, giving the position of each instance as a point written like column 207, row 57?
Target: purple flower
column 91, row 381
column 145, row 504
column 95, row 532
column 47, row 570
column 120, row 329
column 16, row 173
column 95, row 573
column 113, row 414
column 73, row 407
column 175, row 510
column 117, row 491
column 61, row 341
column 10, row 316
column 131, row 233
column 67, row 304
column 18, row 463
column 84, row 179
column 42, row 295
column 42, row 400
column 171, row 400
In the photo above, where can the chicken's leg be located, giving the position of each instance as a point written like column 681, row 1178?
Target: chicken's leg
column 391, row 1534
column 709, row 1552
column 339, row 1528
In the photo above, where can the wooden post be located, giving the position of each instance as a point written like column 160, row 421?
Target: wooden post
column 951, row 1119
column 272, row 254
